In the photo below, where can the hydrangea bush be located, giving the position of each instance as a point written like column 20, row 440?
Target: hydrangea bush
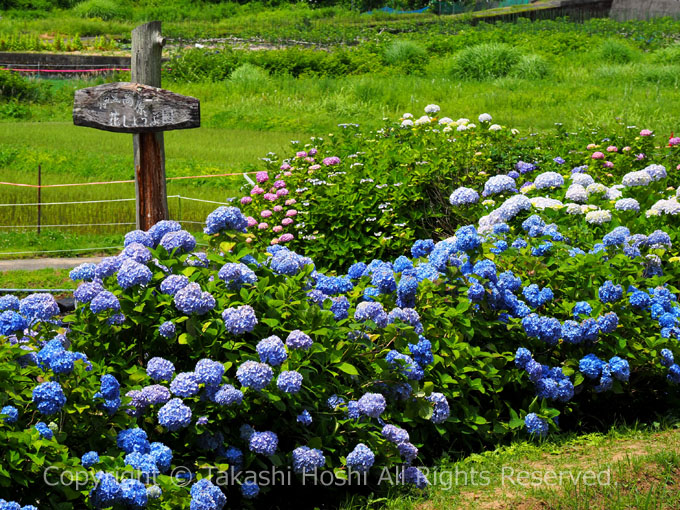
column 180, row 365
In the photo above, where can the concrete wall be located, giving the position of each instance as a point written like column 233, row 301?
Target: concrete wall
column 642, row 9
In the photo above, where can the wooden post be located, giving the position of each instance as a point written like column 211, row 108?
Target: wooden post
column 152, row 197
column 39, row 194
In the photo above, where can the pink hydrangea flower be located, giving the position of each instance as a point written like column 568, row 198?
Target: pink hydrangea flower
column 312, row 151
column 598, row 155
column 262, row 176
column 301, row 154
column 285, row 166
column 286, row 221
column 309, row 160
column 315, row 167
column 291, row 212
column 274, row 241
column 278, row 208
column 640, row 156
column 674, row 141
column 269, row 196
column 333, row 160
column 287, row 174
column 282, row 192
column 279, row 184
column 608, row 164
column 246, row 200
column 277, row 228
column 256, row 191
column 291, row 201
column 251, row 221
column 645, row 132
column 626, row 148
column 249, row 240
column 591, row 146
column 286, row 237
column 266, row 213
column 263, row 226
column 612, row 148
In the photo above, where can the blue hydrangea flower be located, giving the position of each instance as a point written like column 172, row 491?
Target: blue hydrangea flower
column 264, row 442
column 499, row 184
column 162, row 455
column 185, row 384
column 204, row 494
column 11, row 321
column 250, row 489
column 582, row 308
column 179, row 240
column 133, row 493
column 209, row 372
column 235, row 275
column 441, row 410
column 407, row 451
column 289, row 381
column 225, row 218
column 109, row 387
column 639, row 299
column 340, row 307
column 160, row 369
column 254, row 375
column 87, row 291
column 572, row 332
column 591, row 366
column 239, row 320
column 298, row 340
column 38, row 307
column 85, row 271
column 659, row 238
column 161, row 228
column 402, row 263
column 11, row 414
column 548, row 180
column 616, row 237
column 174, row 415
column 167, row 329
column 89, row 459
column 609, row 293
column 138, row 236
column 287, row 262
column 155, row 394
column 422, row 248
column 227, row 395
column 666, row 357
column 608, row 322
column 191, row 299
column 467, row 239
column 304, row 418
column 44, row 431
column 137, row 252
column 522, row 357
column 106, row 491
column 673, row 374
column 422, row 352
column 356, row 270
column 49, row 397
column 372, row 404
column 234, row 456
column 173, row 284
column 272, row 350
column 306, row 459
column 464, row 196
column 535, row 425
column 133, row 440
column 395, row 434
column 620, row 368
column 414, row 476
column 133, row 273
column 105, row 300
column 372, row 311
column 360, row 459
column 9, row 302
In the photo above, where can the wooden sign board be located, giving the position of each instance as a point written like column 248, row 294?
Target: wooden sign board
column 126, row 107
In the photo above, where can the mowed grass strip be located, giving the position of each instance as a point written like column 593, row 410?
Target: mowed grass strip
column 630, row 469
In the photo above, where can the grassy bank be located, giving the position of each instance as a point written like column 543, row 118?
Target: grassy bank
column 622, row 469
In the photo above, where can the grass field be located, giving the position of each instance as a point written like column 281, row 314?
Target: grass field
column 623, row 469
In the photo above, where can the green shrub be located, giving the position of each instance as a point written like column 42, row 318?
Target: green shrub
column 103, row 9
column 614, row 51
column 668, row 55
column 531, row 67
column 15, row 87
column 664, row 75
column 485, row 61
column 248, row 76
column 408, row 55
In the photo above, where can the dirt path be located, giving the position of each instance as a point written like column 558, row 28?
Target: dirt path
column 45, row 263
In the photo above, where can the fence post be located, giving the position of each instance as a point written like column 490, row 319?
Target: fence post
column 39, row 194
column 179, row 208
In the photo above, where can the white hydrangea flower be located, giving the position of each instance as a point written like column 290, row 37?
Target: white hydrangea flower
column 656, row 172
column 406, row 123
column 640, row 178
column 598, row 217
column 462, row 121
column 613, row 194
column 461, row 127
column 670, row 206
column 432, row 108
column 484, row 117
column 445, row 120
column 542, row 203
column 423, row 120
column 407, row 116
column 548, row 180
column 577, row 193
column 627, row 204
column 596, row 187
column 447, row 129
column 495, row 127
column 514, row 131
column 471, row 126
column 584, row 180
column 574, row 209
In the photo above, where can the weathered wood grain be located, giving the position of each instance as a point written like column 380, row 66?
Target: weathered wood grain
column 128, row 107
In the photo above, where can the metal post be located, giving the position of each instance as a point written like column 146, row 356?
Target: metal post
column 39, row 194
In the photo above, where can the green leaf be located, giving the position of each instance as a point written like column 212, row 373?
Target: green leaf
column 347, row 368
